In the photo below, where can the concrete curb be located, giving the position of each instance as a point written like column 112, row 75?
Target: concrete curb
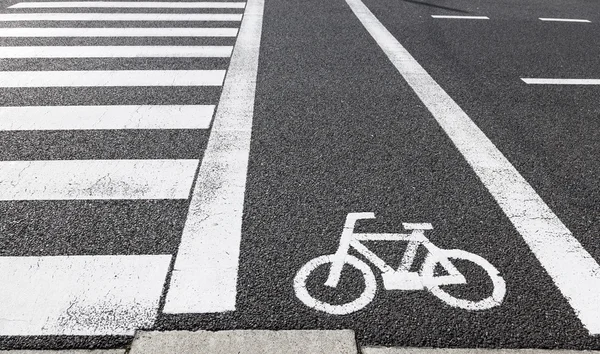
column 271, row 342
column 110, row 351
column 382, row 350
column 245, row 342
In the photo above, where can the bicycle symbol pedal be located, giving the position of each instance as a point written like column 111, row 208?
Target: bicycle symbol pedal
column 396, row 279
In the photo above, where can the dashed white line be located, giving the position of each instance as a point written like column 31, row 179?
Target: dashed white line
column 96, row 179
column 119, row 32
column 80, row 295
column 130, row 4
column 461, row 17
column 112, row 78
column 564, row 20
column 117, row 17
column 536, row 81
column 573, row 270
column 105, row 117
column 205, row 274
column 116, row 52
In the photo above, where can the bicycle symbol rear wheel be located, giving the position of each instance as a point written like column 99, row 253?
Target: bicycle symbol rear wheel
column 342, row 309
column 493, row 300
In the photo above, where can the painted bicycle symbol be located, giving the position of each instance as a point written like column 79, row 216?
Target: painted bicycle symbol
column 401, row 278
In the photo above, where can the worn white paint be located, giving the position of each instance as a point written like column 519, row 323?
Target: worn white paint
column 50, row 16
column 105, row 117
column 533, row 81
column 111, row 78
column 80, row 295
column 96, row 179
column 119, row 32
column 458, row 17
column 130, row 4
column 571, row 267
column 121, row 51
column 564, row 20
column 204, row 277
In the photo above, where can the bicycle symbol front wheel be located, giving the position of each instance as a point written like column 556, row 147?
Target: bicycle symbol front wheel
column 339, row 309
column 499, row 286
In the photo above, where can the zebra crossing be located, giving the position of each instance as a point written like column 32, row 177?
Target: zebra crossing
column 50, row 293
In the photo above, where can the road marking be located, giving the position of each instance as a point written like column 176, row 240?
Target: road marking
column 401, row 278
column 96, row 179
column 564, row 20
column 561, row 81
column 204, row 278
column 461, row 17
column 118, row 17
column 118, row 32
column 130, row 4
column 112, row 78
column 116, row 52
column 571, row 267
column 105, row 117
column 80, row 295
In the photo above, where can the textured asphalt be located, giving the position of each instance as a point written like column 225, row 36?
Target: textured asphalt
column 337, row 130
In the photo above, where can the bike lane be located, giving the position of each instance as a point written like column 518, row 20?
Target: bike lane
column 548, row 132
column 337, row 130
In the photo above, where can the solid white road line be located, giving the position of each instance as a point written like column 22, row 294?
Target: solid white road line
column 105, row 117
column 204, row 277
column 570, row 266
column 96, row 179
column 116, row 52
column 118, row 32
column 561, row 81
column 130, row 4
column 461, row 17
column 563, row 20
column 80, row 295
column 118, row 17
column 111, row 78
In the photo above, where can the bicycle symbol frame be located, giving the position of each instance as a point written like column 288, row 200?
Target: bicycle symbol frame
column 401, row 278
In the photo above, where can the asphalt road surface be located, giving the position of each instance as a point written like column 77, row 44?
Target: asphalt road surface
column 178, row 165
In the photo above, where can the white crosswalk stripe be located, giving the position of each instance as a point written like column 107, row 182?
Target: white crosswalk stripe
column 116, row 52
column 80, row 295
column 111, row 78
column 96, row 179
column 119, row 32
column 129, row 4
column 103, row 294
column 117, row 17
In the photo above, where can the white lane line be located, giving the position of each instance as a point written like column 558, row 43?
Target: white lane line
column 129, row 4
column 118, row 17
column 96, row 179
column 111, row 78
column 105, row 117
column 561, row 81
column 116, row 52
column 204, row 278
column 80, row 295
column 118, row 32
column 571, row 267
column 461, row 17
column 564, row 20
